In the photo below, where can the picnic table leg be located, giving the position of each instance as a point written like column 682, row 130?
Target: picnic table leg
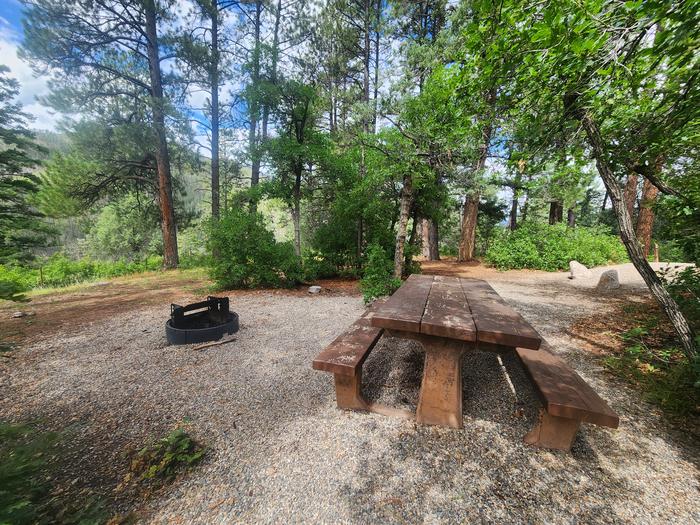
column 440, row 401
column 347, row 392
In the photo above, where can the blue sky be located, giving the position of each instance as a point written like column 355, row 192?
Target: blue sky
column 31, row 87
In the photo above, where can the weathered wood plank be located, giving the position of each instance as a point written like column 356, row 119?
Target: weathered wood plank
column 447, row 312
column 564, row 393
column 345, row 355
column 404, row 310
column 496, row 322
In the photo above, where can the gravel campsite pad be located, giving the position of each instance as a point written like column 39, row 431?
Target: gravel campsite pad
column 280, row 451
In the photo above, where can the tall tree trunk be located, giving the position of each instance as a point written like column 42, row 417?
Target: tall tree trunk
column 375, row 98
column 214, row 76
column 404, row 214
column 296, row 209
column 412, row 237
column 513, row 220
column 556, row 212
column 570, row 218
column 470, row 215
column 254, row 105
column 366, row 54
column 629, row 239
column 165, row 189
column 630, row 195
column 645, row 219
column 605, row 201
column 429, row 238
column 470, row 212
column 273, row 76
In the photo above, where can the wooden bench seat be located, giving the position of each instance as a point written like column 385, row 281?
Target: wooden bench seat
column 344, row 358
column 567, row 400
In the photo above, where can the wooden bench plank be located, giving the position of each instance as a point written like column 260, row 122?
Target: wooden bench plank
column 447, row 312
column 349, row 350
column 496, row 322
column 564, row 393
column 404, row 310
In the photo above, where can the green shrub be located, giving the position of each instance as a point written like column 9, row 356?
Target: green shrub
column 248, row 256
column 378, row 279
column 14, row 282
column 662, row 373
column 165, row 457
column 684, row 287
column 550, row 248
column 317, row 266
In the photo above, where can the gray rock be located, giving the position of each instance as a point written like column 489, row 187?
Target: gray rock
column 578, row 270
column 314, row 289
column 609, row 280
column 17, row 315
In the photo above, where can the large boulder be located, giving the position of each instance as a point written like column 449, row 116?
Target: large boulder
column 609, row 281
column 578, row 270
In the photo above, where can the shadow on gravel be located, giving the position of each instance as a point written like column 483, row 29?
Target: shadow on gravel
column 483, row 472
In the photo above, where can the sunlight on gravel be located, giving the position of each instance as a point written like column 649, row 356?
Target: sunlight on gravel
column 282, row 453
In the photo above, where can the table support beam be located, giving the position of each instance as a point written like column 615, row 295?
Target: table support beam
column 440, row 401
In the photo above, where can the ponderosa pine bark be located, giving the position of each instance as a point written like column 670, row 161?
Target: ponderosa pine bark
column 165, row 190
column 470, row 211
column 254, row 106
column 404, row 214
column 429, row 239
column 629, row 239
column 214, row 88
column 630, row 193
column 645, row 218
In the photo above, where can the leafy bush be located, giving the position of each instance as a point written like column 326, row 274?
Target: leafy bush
column 317, row 266
column 247, row 254
column 13, row 283
column 378, row 279
column 684, row 287
column 165, row 457
column 663, row 373
column 59, row 270
column 550, row 248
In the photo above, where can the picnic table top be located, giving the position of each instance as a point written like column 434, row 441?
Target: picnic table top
column 456, row 308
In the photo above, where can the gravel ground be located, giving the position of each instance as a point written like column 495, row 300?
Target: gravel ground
column 282, row 453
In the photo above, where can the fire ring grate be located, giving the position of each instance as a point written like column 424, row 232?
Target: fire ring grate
column 208, row 321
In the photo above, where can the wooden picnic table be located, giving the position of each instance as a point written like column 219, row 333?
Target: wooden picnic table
column 448, row 316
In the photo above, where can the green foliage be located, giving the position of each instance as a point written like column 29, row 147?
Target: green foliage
column 14, row 282
column 167, row 456
column 247, row 255
column 25, row 494
column 663, row 374
column 20, row 226
column 317, row 266
column 377, row 279
column 59, row 270
column 126, row 228
column 550, row 248
column 684, row 287
column 23, row 489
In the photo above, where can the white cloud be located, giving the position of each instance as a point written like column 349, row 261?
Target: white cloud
column 31, row 86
